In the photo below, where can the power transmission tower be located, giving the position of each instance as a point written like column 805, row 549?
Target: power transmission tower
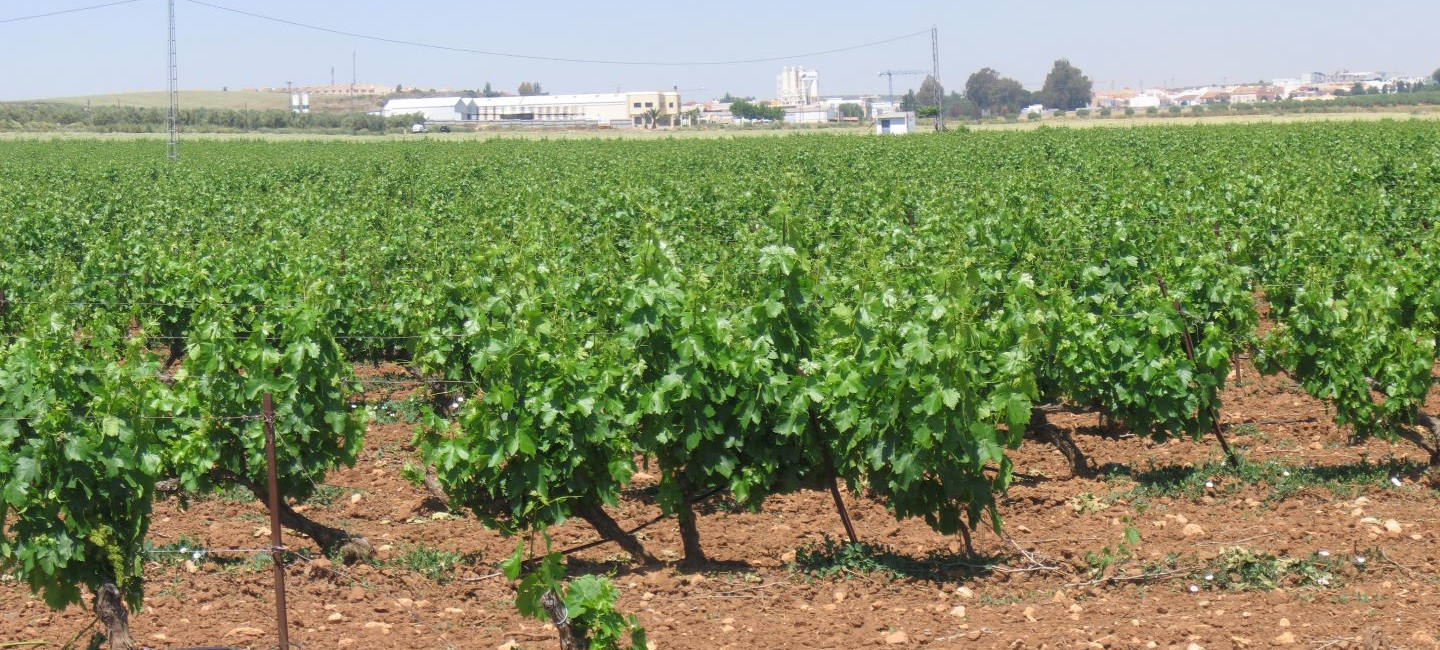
column 174, row 114
column 935, row 71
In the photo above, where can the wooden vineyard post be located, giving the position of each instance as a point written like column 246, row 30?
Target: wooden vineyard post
column 1190, row 352
column 277, row 551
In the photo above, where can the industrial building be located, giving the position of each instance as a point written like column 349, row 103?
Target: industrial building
column 811, row 114
column 429, row 109
column 598, row 109
column 797, row 86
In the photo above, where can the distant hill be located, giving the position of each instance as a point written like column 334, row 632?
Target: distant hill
column 234, row 99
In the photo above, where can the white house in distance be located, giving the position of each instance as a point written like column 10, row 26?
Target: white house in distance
column 597, row 109
column 895, row 123
column 1144, row 101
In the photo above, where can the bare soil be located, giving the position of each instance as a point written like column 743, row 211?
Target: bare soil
column 1040, row 590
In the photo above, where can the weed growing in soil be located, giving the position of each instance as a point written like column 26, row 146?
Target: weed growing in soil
column 1242, row 569
column 1217, row 478
column 233, row 493
column 433, row 563
column 1086, row 503
column 408, row 410
column 257, row 562
column 832, row 558
column 325, row 495
column 1107, row 558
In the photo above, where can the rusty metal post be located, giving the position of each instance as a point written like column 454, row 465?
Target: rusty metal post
column 277, row 549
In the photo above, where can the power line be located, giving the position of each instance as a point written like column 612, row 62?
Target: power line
column 66, row 11
column 539, row 57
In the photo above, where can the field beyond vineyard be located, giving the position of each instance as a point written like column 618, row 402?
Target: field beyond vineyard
column 575, row 333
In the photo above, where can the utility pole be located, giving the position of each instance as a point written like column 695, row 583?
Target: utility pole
column 173, row 116
column 935, row 70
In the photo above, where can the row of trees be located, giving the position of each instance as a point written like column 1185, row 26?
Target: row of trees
column 1394, row 88
column 132, row 119
column 988, row 93
column 526, row 88
column 748, row 110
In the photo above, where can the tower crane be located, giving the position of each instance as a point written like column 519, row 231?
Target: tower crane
column 890, row 79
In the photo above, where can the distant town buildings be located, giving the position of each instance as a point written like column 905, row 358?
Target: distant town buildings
column 596, row 109
column 798, row 95
column 1307, row 86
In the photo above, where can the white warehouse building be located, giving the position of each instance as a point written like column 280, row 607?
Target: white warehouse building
column 602, row 109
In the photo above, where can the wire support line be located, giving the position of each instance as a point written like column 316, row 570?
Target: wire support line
column 198, row 553
column 65, row 11
column 558, row 59
column 979, row 290
column 102, row 418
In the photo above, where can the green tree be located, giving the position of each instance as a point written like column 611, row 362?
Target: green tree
column 1066, row 88
column 747, row 110
column 909, row 102
column 1358, row 89
column 958, row 106
column 851, row 109
column 1435, row 76
column 995, row 94
column 488, row 91
column 528, row 88
column 929, row 93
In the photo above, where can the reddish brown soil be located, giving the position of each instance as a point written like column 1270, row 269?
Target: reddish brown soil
column 750, row 599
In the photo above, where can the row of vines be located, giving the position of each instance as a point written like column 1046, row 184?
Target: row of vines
column 749, row 317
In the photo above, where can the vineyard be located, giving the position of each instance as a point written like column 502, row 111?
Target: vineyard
column 822, row 391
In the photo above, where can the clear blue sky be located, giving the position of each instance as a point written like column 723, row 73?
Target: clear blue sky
column 122, row 48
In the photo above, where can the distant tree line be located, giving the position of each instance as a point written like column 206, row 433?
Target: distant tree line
column 1427, row 95
column 128, row 119
column 747, row 110
column 525, row 88
column 988, row 93
column 1392, row 88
